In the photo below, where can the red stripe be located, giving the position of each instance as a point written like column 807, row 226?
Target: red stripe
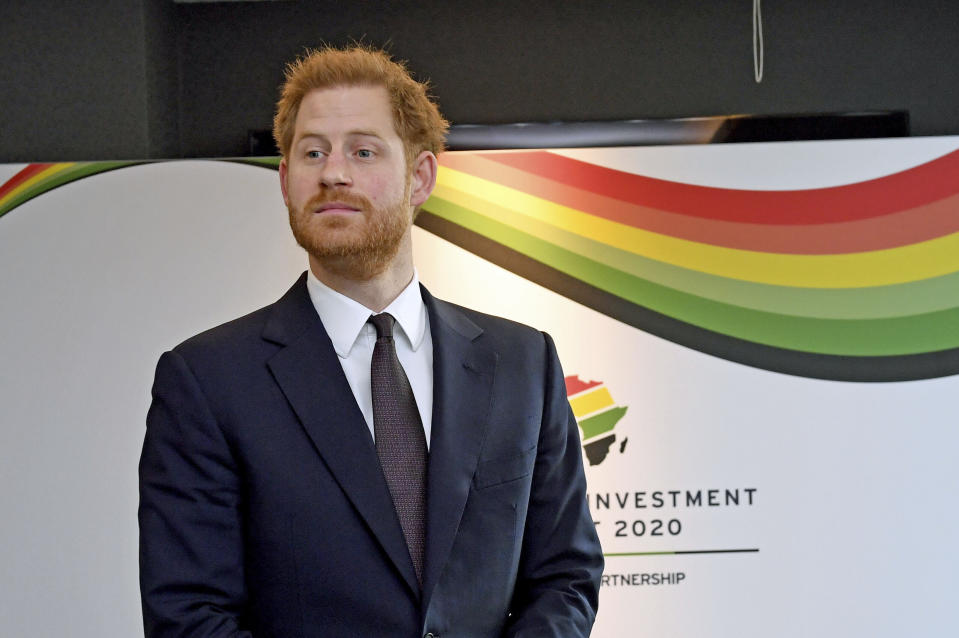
column 575, row 385
column 889, row 231
column 907, row 189
column 26, row 173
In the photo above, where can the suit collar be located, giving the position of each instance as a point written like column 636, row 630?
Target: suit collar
column 451, row 316
column 291, row 315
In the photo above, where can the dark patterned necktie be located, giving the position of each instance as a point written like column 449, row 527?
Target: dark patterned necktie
column 400, row 441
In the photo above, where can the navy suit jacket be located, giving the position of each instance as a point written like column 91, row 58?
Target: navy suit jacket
column 264, row 511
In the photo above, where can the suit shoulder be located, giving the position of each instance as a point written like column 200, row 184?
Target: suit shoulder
column 230, row 336
column 498, row 328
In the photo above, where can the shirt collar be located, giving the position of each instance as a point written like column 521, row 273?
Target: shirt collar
column 345, row 318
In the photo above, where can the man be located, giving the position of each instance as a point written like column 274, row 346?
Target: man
column 305, row 474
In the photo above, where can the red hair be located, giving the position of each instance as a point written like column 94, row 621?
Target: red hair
column 416, row 117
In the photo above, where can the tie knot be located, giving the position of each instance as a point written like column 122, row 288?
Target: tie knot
column 383, row 323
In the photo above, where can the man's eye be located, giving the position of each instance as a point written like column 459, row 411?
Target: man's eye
column 314, row 154
column 364, row 153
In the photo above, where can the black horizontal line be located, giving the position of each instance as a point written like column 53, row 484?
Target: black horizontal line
column 686, row 551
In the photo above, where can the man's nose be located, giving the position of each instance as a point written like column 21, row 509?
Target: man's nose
column 336, row 170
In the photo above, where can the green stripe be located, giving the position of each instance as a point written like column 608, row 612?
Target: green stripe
column 263, row 162
column 601, row 423
column 900, row 300
column 927, row 332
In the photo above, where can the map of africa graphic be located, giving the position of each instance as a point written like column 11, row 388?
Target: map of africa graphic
column 597, row 415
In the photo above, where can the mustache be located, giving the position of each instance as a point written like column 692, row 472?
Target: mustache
column 337, row 195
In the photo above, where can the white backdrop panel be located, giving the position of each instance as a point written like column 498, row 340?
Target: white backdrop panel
column 852, row 509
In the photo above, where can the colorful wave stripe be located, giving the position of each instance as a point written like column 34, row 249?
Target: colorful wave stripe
column 857, row 282
column 36, row 179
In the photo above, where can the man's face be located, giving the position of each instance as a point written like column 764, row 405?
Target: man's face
column 345, row 181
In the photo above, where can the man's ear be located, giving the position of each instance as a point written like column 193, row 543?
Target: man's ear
column 423, row 178
column 283, row 174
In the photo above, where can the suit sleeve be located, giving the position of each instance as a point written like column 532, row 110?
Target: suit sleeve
column 191, row 548
column 557, row 588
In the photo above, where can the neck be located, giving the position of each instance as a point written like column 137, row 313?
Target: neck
column 376, row 292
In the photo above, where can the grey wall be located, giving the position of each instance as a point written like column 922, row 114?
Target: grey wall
column 162, row 78
column 71, row 80
column 147, row 78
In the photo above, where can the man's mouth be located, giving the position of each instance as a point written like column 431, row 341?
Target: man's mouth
column 336, row 208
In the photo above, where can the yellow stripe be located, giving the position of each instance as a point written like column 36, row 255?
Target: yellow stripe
column 42, row 175
column 591, row 401
column 915, row 262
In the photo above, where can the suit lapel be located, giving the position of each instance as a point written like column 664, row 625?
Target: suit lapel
column 311, row 377
column 462, row 386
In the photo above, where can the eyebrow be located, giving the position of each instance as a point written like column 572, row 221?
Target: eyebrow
column 353, row 133
column 366, row 133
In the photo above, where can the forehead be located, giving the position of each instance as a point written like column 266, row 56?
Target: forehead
column 345, row 109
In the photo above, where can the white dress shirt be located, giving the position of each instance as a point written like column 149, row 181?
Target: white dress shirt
column 346, row 322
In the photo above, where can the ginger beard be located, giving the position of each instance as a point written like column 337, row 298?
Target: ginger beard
column 357, row 249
